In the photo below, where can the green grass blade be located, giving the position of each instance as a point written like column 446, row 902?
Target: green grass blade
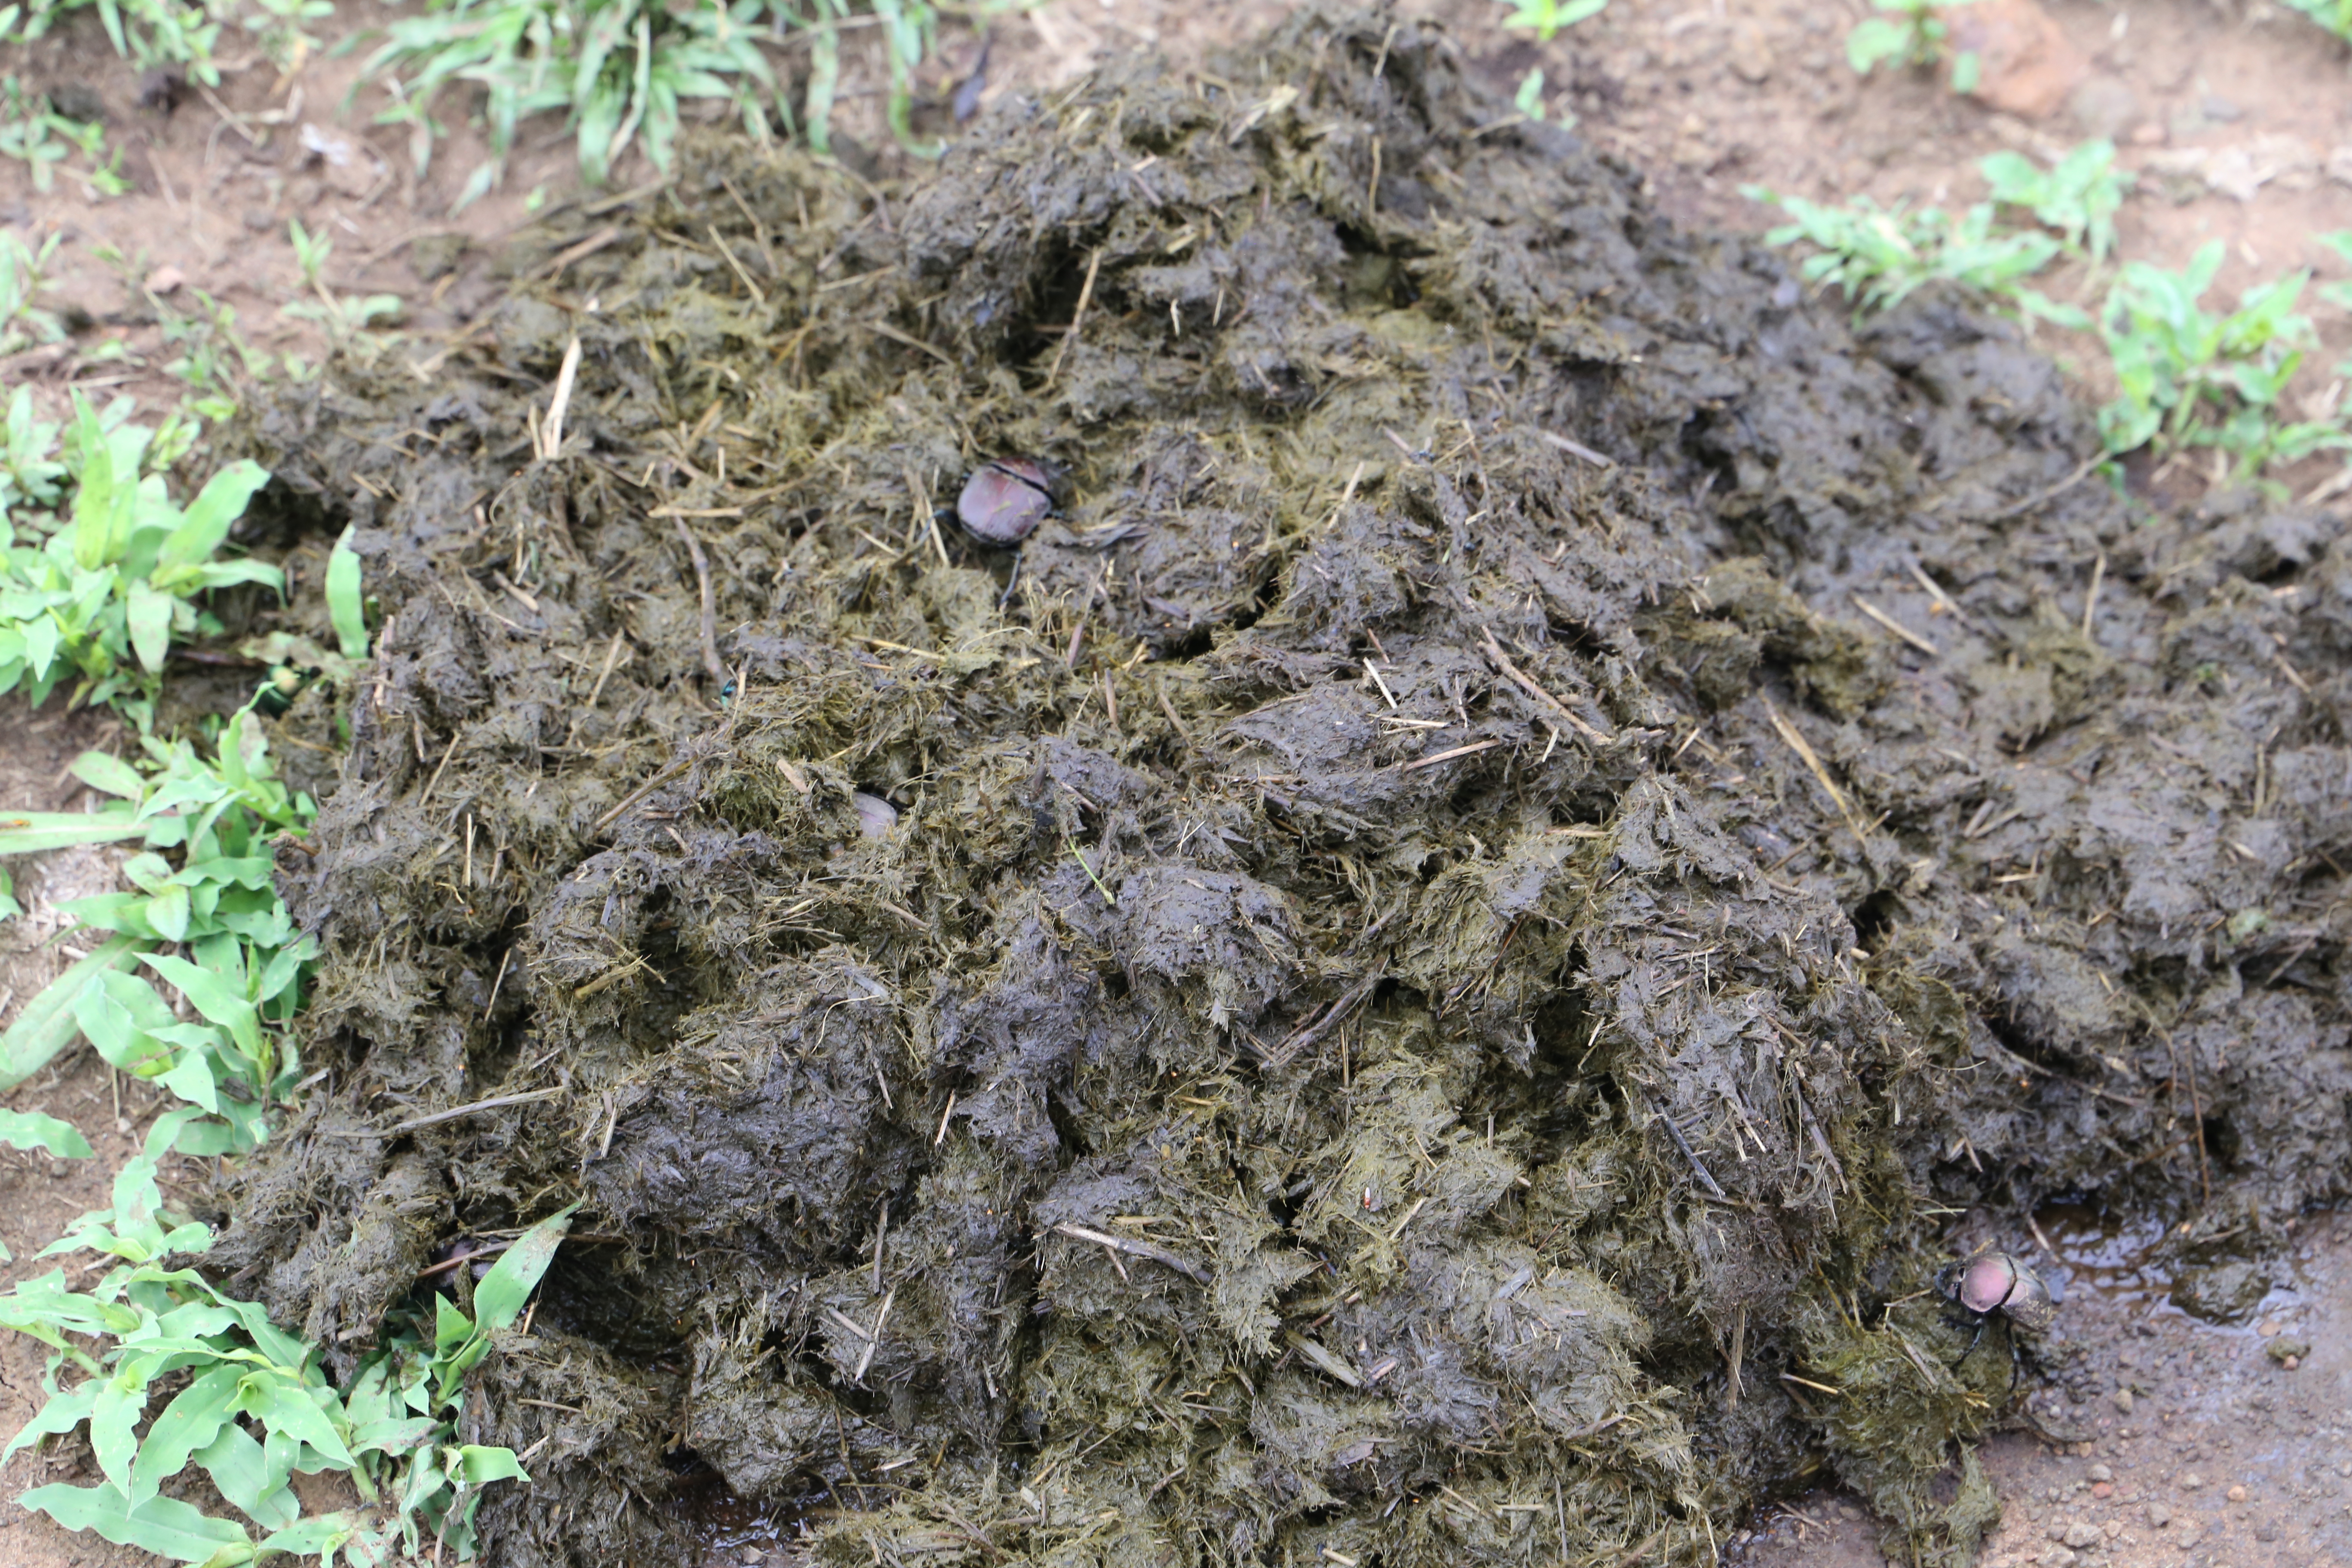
column 30, row 1129
column 498, row 1299
column 46, row 1026
column 343, row 602
column 38, row 832
column 165, row 1526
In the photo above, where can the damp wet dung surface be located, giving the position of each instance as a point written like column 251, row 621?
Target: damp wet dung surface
column 1424, row 973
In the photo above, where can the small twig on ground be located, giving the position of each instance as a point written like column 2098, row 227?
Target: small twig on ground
column 1160, row 1254
column 1086, row 296
column 1674, row 1132
column 1803, row 748
column 551, row 429
column 710, row 609
column 2014, row 509
column 1892, row 625
column 1512, row 673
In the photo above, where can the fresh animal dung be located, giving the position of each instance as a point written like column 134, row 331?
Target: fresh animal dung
column 1439, row 969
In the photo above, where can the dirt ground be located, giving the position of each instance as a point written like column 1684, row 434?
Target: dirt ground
column 1704, row 98
column 2218, row 1455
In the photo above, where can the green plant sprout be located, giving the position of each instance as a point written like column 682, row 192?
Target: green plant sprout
column 620, row 71
column 101, row 600
column 249, row 1404
column 1908, row 34
column 37, row 136
column 2079, row 197
column 149, row 32
column 211, row 354
column 1547, row 18
column 1528, row 101
column 341, row 314
column 244, row 964
column 1879, row 256
column 278, row 30
column 345, row 608
column 2190, row 378
column 619, row 68
column 22, row 322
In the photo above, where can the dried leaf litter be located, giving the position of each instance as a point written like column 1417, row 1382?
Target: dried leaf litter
column 1426, row 983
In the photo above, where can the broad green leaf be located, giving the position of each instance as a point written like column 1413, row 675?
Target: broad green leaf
column 148, row 618
column 190, row 1422
column 167, row 912
column 288, row 1407
column 38, row 832
column 192, row 1078
column 114, row 1422
column 321, row 1534
column 451, row 1326
column 368, row 1400
column 109, row 774
column 225, row 574
column 62, row 1414
column 94, row 500
column 394, row 1436
column 212, row 995
column 344, row 603
column 476, row 1466
column 30, row 1129
column 47, row 1022
column 165, row 1526
column 240, row 1470
column 122, row 1016
column 498, row 1299
column 210, row 516
column 40, row 645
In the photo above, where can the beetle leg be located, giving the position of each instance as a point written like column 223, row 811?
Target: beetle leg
column 1012, row 582
column 1972, row 1344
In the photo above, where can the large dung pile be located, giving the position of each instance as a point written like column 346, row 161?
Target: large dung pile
column 1425, row 984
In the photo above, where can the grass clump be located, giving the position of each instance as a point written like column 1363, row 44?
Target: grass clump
column 201, row 883
column 620, row 71
column 1879, row 256
column 2190, row 377
column 1547, row 18
column 1906, row 34
column 2187, row 377
column 2079, row 197
column 254, row 1406
column 100, row 600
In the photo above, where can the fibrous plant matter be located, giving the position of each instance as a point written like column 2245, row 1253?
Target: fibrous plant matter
column 1435, row 971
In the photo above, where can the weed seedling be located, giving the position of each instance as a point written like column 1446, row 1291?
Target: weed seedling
column 2079, row 198
column 101, row 599
column 23, row 323
column 250, row 1404
column 1547, row 18
column 1908, row 34
column 1879, row 256
column 2190, row 378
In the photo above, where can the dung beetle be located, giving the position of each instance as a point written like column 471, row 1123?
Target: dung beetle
column 2001, row 1283
column 1005, row 500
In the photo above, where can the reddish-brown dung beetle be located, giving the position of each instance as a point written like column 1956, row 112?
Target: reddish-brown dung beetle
column 2003, row 1284
column 1005, row 500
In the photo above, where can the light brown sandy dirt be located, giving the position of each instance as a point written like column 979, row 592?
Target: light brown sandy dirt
column 2238, row 118
column 2219, row 1456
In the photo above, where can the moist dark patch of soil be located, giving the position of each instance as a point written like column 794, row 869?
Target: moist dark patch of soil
column 1440, row 969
